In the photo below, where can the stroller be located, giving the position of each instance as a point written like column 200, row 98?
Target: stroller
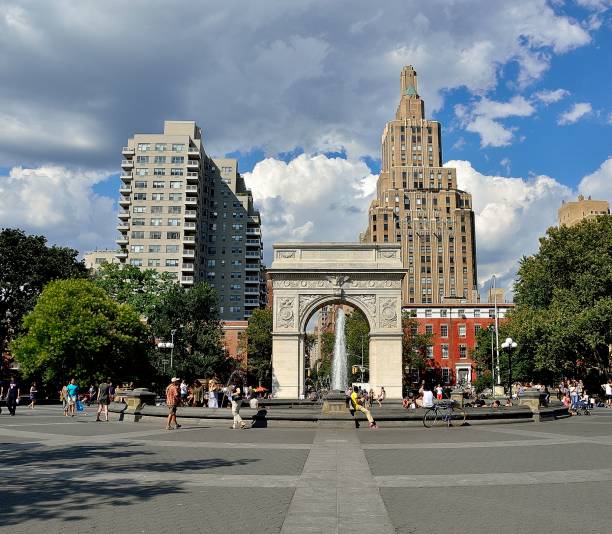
column 581, row 407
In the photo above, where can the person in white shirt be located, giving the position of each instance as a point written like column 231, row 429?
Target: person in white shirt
column 607, row 387
column 427, row 400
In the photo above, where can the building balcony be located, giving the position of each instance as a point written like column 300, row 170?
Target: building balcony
column 193, row 152
column 252, row 279
column 251, row 291
column 126, row 177
column 188, row 253
column 193, row 164
column 253, row 242
column 251, row 302
column 191, row 201
column 191, row 214
column 253, row 254
column 122, row 240
column 187, row 280
column 124, row 214
column 191, row 188
column 252, row 267
column 125, row 188
column 193, row 176
column 127, row 151
column 123, row 226
column 122, row 254
column 187, row 267
column 124, row 201
column 253, row 231
column 190, row 226
column 127, row 164
column 189, row 239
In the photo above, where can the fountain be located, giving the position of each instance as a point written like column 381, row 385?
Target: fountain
column 335, row 401
column 339, row 379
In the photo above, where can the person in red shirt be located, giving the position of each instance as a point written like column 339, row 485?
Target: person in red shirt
column 173, row 399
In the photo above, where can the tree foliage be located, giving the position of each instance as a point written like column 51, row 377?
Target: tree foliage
column 563, row 318
column 27, row 264
column 77, row 330
column 357, row 330
column 414, row 346
column 143, row 289
column 192, row 314
column 258, row 338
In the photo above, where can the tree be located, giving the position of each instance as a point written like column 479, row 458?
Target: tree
column 193, row 314
column 77, row 330
column 357, row 331
column 563, row 319
column 258, row 338
column 414, row 347
column 27, row 264
column 143, row 289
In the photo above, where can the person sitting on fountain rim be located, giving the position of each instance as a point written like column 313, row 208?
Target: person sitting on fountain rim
column 357, row 404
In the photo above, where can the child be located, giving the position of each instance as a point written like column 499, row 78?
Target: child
column 439, row 392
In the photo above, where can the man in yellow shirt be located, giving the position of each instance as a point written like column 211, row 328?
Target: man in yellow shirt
column 356, row 403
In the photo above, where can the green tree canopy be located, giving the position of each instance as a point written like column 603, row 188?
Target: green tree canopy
column 143, row 289
column 414, row 347
column 27, row 264
column 77, row 330
column 258, row 338
column 357, row 332
column 193, row 314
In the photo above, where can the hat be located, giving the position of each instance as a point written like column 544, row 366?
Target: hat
column 175, row 379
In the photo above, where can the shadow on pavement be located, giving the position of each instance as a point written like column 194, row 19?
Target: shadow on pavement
column 29, row 491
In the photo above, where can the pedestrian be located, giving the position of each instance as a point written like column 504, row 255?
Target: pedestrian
column 439, row 392
column 64, row 398
column 607, row 387
column 213, row 400
column 357, row 403
column 33, row 393
column 381, row 396
column 92, row 395
column 72, row 389
column 12, row 396
column 236, row 401
column 184, row 392
column 103, row 399
column 173, row 399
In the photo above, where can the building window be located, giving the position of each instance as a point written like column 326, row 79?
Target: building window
column 173, row 235
column 138, row 235
column 160, row 147
column 159, row 171
column 477, row 329
column 153, row 262
column 157, row 196
column 176, row 185
column 177, row 159
column 159, row 185
column 159, row 159
column 444, row 352
column 178, row 147
column 446, row 375
column 138, row 222
column 442, row 313
column 462, row 352
column 156, row 209
column 476, row 312
column 142, row 159
column 461, row 330
column 142, row 172
column 137, row 248
column 144, row 146
column 428, row 313
column 176, row 172
column 430, row 352
column 154, row 248
column 172, row 263
column 174, row 222
column 429, row 329
column 155, row 235
column 139, row 209
column 172, row 248
column 175, row 196
column 235, row 286
column 136, row 262
column 140, row 196
column 174, row 209
column 139, row 184
column 443, row 330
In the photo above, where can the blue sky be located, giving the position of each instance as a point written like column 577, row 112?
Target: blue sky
column 300, row 92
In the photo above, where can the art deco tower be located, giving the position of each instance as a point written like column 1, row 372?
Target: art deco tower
column 418, row 205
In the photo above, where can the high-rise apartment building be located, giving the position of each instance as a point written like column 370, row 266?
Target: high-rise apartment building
column 571, row 213
column 418, row 205
column 177, row 206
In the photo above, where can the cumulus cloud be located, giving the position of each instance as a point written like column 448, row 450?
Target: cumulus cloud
column 483, row 118
column 271, row 75
column 551, row 96
column 575, row 113
column 59, row 203
column 598, row 184
column 311, row 198
column 511, row 214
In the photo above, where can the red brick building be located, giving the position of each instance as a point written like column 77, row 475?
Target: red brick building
column 454, row 328
column 231, row 342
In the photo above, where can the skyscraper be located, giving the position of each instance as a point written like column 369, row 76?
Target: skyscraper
column 418, row 205
column 178, row 206
column 571, row 213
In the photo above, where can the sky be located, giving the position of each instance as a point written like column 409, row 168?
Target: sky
column 300, row 93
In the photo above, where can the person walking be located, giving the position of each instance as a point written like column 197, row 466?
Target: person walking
column 439, row 392
column 72, row 390
column 357, row 404
column 92, row 395
column 607, row 387
column 236, row 400
column 64, row 398
column 12, row 396
column 381, row 396
column 33, row 394
column 213, row 401
column 103, row 399
column 184, row 392
column 173, row 399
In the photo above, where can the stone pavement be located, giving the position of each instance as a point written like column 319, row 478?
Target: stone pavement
column 75, row 475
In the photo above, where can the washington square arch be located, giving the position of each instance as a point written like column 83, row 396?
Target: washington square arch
column 307, row 276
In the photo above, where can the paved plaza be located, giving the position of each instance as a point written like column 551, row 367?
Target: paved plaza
column 76, row 475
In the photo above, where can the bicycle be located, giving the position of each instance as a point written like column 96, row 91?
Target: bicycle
column 444, row 412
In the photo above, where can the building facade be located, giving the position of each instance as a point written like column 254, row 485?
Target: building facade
column 96, row 258
column 453, row 328
column 183, row 213
column 419, row 205
column 571, row 213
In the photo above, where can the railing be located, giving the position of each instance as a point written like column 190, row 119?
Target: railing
column 192, row 175
column 251, row 302
column 253, row 231
column 188, row 239
column 190, row 225
column 187, row 266
column 187, row 279
column 189, row 253
column 193, row 163
column 252, row 279
column 191, row 213
column 125, row 189
column 127, row 149
column 123, row 226
column 126, row 177
column 193, row 188
column 253, row 242
column 127, row 163
column 253, row 254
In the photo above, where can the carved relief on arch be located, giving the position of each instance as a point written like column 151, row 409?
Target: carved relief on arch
column 388, row 312
column 285, row 316
column 368, row 302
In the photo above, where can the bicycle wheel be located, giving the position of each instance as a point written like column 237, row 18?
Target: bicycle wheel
column 430, row 418
column 457, row 417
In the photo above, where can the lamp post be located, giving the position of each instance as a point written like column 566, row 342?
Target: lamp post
column 491, row 331
column 509, row 344
column 497, row 373
column 170, row 345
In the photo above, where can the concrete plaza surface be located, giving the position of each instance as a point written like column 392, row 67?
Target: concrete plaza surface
column 75, row 475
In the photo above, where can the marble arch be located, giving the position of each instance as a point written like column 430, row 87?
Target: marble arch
column 306, row 276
